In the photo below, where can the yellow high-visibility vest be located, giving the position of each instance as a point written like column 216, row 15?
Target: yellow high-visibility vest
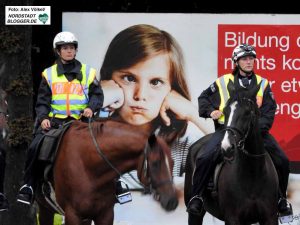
column 222, row 83
column 68, row 98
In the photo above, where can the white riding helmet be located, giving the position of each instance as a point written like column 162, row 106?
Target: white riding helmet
column 65, row 37
column 243, row 50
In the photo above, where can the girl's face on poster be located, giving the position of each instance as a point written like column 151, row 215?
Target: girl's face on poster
column 145, row 86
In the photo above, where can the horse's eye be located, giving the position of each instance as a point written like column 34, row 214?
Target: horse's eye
column 156, row 164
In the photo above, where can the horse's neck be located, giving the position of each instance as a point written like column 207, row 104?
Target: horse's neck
column 254, row 142
column 253, row 158
column 128, row 147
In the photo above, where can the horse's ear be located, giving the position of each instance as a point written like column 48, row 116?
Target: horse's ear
column 231, row 88
column 152, row 140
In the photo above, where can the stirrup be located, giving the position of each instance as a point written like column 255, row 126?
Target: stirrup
column 196, row 196
column 195, row 210
column 25, row 197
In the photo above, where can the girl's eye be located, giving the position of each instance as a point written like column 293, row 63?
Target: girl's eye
column 156, row 82
column 129, row 78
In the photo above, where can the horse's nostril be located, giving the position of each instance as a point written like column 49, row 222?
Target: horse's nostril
column 170, row 204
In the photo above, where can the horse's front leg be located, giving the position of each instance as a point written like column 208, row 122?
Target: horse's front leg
column 105, row 218
column 270, row 221
column 71, row 218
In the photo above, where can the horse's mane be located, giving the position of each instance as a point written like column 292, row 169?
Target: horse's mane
column 101, row 125
column 243, row 98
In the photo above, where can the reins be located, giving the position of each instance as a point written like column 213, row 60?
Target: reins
column 103, row 156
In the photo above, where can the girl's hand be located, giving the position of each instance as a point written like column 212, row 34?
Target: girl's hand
column 183, row 108
column 180, row 106
column 113, row 95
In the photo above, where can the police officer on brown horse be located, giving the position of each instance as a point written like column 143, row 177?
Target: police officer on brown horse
column 68, row 90
column 211, row 104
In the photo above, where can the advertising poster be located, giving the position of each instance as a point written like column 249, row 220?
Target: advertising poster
column 207, row 42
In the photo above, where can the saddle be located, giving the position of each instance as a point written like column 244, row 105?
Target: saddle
column 48, row 147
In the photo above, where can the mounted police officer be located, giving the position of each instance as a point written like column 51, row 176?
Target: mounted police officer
column 211, row 104
column 68, row 91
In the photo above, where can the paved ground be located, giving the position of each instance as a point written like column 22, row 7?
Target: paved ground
column 143, row 209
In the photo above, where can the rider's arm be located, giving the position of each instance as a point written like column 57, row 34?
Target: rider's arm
column 267, row 110
column 208, row 101
column 43, row 103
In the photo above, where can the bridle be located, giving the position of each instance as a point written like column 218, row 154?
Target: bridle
column 152, row 186
column 236, row 132
column 146, row 169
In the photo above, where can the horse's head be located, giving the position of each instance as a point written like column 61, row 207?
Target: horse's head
column 3, row 115
column 155, row 173
column 241, row 114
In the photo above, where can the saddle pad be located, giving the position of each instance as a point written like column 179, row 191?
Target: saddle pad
column 51, row 142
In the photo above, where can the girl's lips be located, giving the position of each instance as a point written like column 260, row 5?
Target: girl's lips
column 137, row 109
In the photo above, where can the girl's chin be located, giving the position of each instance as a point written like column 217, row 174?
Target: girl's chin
column 137, row 120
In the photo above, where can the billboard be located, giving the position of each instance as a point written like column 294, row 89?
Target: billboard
column 207, row 41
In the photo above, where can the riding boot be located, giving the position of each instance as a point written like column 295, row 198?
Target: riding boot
column 3, row 203
column 26, row 192
column 281, row 163
column 122, row 195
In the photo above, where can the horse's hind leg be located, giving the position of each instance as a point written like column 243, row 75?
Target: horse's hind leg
column 87, row 222
column 195, row 219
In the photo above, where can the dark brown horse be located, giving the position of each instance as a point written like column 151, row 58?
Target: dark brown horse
column 3, row 135
column 248, row 183
column 3, row 115
column 84, row 179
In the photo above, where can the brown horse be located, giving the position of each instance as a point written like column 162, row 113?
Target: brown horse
column 84, row 175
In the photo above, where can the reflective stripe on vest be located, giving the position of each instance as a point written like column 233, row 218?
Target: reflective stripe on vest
column 222, row 83
column 68, row 98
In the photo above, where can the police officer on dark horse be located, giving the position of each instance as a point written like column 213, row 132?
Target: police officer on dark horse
column 211, row 104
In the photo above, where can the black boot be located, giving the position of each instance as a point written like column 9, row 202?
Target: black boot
column 284, row 207
column 122, row 195
column 195, row 205
column 3, row 203
column 285, row 211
